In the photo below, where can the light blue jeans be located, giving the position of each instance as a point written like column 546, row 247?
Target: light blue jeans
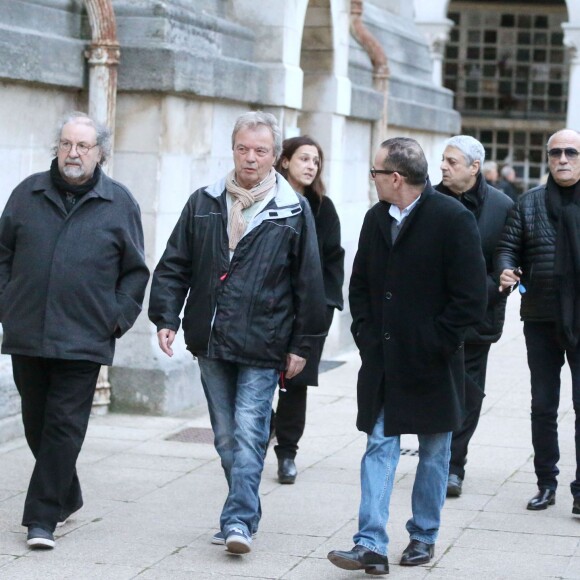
column 239, row 398
column 378, row 467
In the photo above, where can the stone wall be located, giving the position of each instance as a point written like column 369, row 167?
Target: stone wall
column 187, row 70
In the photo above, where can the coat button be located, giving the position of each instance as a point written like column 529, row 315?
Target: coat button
column 388, row 295
column 387, row 336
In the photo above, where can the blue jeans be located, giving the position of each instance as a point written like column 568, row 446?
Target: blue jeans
column 378, row 467
column 546, row 359
column 239, row 398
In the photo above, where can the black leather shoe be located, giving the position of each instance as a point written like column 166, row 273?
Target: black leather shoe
column 576, row 506
column 417, row 553
column 286, row 470
column 542, row 499
column 360, row 558
column 454, row 484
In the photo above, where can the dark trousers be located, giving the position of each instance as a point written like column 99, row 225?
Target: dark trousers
column 546, row 358
column 475, row 372
column 56, row 396
column 290, row 420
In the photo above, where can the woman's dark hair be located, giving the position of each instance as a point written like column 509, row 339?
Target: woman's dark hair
column 316, row 190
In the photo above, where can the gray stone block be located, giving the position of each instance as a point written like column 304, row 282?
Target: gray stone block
column 366, row 103
column 41, row 42
column 422, row 116
column 175, row 47
column 155, row 391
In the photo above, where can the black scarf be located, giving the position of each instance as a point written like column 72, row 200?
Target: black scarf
column 563, row 205
column 472, row 199
column 72, row 193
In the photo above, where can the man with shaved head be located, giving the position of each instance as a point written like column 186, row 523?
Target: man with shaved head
column 542, row 238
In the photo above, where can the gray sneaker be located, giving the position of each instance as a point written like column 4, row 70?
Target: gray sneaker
column 237, row 542
column 219, row 540
column 40, row 539
column 454, row 484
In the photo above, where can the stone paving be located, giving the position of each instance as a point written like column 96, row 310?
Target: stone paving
column 152, row 504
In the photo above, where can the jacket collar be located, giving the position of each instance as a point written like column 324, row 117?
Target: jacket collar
column 43, row 184
column 285, row 202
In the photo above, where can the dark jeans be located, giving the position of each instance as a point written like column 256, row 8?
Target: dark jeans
column 546, row 359
column 290, row 420
column 475, row 372
column 57, row 396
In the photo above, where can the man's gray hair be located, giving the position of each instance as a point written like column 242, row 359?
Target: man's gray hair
column 471, row 148
column 254, row 119
column 104, row 136
column 506, row 170
column 488, row 166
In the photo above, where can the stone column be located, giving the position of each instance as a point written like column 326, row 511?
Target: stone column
column 103, row 57
column 572, row 41
column 437, row 35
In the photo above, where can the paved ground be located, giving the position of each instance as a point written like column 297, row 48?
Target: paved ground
column 151, row 504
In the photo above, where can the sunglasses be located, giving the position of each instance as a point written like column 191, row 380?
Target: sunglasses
column 374, row 172
column 569, row 152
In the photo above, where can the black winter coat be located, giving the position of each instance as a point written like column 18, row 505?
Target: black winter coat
column 492, row 210
column 70, row 283
column 529, row 241
column 266, row 302
column 411, row 303
column 332, row 261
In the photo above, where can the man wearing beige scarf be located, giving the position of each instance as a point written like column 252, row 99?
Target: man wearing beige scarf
column 244, row 252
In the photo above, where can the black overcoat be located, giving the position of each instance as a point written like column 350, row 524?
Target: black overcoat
column 332, row 262
column 70, row 283
column 411, row 303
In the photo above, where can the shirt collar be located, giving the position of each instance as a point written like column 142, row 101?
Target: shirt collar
column 400, row 215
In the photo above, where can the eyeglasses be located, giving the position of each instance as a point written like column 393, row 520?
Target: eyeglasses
column 569, row 152
column 374, row 172
column 82, row 148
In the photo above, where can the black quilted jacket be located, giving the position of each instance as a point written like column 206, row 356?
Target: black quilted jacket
column 529, row 241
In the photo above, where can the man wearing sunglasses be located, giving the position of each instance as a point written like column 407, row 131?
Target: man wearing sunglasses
column 542, row 237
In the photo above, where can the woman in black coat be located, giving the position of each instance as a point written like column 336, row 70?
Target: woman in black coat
column 301, row 164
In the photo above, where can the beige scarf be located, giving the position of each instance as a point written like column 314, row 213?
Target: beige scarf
column 243, row 199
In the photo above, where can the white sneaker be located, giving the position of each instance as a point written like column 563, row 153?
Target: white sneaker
column 237, row 542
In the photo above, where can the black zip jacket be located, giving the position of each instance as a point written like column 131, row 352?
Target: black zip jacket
column 70, row 283
column 491, row 208
column 529, row 241
column 266, row 302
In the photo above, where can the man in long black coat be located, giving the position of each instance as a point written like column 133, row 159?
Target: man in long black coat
column 418, row 282
column 463, row 180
